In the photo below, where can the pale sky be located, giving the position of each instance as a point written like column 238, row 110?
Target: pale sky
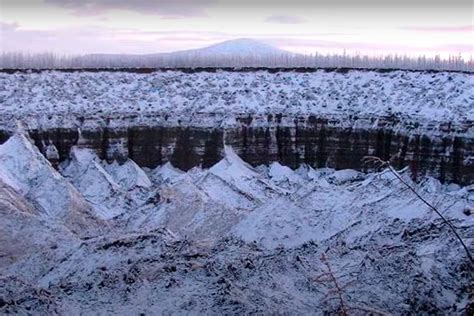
column 145, row 26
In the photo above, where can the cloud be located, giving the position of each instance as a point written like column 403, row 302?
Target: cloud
column 96, row 39
column 459, row 28
column 163, row 8
column 324, row 45
column 8, row 27
column 83, row 40
column 285, row 19
column 341, row 4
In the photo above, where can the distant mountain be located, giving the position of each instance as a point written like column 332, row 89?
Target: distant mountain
column 237, row 47
column 227, row 50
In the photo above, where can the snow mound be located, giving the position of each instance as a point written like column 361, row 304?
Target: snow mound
column 165, row 174
column 98, row 187
column 232, row 166
column 231, row 239
column 27, row 171
column 129, row 175
column 242, row 178
column 346, row 175
column 22, row 229
column 284, row 177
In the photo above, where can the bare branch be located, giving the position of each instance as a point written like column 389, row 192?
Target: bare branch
column 379, row 163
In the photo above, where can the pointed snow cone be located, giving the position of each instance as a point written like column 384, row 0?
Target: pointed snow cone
column 128, row 175
column 242, row 178
column 166, row 173
column 232, row 165
column 284, row 176
column 97, row 186
column 22, row 162
column 27, row 171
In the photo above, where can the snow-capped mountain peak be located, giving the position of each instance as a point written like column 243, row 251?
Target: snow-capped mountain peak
column 237, row 47
column 242, row 46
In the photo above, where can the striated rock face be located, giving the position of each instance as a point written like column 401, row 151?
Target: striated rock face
column 316, row 142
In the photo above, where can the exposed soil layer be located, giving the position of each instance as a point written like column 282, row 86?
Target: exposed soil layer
column 313, row 142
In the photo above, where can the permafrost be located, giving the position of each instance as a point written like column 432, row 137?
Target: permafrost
column 317, row 143
column 168, row 193
column 324, row 119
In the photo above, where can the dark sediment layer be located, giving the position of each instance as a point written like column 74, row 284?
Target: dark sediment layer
column 146, row 70
column 447, row 157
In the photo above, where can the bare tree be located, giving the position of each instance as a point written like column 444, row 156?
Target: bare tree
column 20, row 60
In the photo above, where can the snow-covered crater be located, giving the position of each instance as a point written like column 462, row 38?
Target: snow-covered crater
column 228, row 239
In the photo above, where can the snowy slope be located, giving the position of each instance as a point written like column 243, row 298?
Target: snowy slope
column 355, row 98
column 28, row 172
column 241, row 179
column 165, row 174
column 110, row 189
column 23, row 231
column 128, row 175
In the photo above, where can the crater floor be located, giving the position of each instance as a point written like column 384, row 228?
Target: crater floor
column 97, row 237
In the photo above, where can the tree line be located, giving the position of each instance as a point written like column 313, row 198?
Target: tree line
column 21, row 60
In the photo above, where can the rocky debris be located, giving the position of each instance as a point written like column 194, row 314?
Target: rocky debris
column 154, row 274
column 232, row 239
column 26, row 298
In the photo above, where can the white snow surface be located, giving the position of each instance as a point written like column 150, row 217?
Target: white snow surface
column 26, row 170
column 95, row 184
column 111, row 189
column 441, row 100
column 129, row 175
column 181, row 241
column 165, row 174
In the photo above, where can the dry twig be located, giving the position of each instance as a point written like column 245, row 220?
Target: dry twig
column 337, row 291
column 379, row 163
column 329, row 277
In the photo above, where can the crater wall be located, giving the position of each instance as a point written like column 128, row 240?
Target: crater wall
column 316, row 142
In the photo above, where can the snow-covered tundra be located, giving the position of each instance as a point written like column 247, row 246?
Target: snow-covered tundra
column 53, row 99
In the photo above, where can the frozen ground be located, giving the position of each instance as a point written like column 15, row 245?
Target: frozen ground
column 98, row 238
column 55, row 99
